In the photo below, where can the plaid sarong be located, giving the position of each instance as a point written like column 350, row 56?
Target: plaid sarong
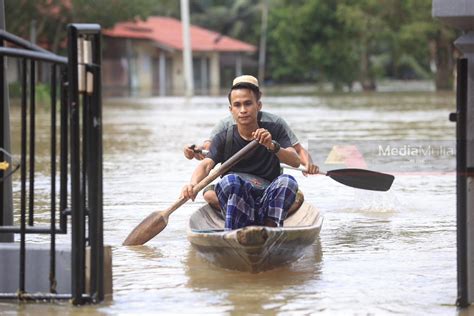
column 245, row 205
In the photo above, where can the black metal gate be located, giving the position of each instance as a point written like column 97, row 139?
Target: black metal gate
column 75, row 86
column 460, row 117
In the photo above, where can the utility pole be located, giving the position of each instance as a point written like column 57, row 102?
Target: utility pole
column 187, row 53
column 263, row 43
column 6, row 204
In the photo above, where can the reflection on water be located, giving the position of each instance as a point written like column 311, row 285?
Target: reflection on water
column 261, row 293
column 378, row 253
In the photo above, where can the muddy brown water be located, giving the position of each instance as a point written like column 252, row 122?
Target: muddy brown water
column 378, row 253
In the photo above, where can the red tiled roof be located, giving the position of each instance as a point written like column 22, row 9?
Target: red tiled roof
column 167, row 32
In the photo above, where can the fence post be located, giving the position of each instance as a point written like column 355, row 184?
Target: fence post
column 6, row 204
column 77, row 209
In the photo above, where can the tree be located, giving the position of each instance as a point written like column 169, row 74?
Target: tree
column 345, row 40
column 337, row 41
column 308, row 43
column 52, row 16
column 235, row 18
column 428, row 41
column 364, row 20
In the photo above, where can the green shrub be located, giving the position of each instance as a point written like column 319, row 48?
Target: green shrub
column 42, row 93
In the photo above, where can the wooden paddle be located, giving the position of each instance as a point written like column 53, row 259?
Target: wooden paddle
column 154, row 223
column 358, row 178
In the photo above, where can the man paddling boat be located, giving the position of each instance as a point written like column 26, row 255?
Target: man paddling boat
column 244, row 199
column 193, row 151
column 253, row 192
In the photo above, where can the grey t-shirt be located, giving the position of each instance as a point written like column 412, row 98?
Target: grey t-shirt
column 260, row 162
column 223, row 124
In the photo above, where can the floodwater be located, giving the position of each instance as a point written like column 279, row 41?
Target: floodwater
column 378, row 252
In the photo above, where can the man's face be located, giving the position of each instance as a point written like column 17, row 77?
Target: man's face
column 244, row 106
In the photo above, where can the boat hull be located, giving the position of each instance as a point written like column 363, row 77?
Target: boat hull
column 253, row 248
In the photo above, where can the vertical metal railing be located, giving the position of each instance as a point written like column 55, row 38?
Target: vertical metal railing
column 64, row 157
column 32, row 149
column 84, row 56
column 80, row 159
column 24, row 79
column 6, row 212
column 460, row 117
column 95, row 176
column 2, row 130
column 52, row 260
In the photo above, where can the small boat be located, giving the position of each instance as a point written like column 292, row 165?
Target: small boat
column 253, row 248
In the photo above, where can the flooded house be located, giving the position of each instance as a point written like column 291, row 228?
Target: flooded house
column 145, row 58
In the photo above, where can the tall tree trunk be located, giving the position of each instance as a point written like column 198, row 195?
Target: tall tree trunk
column 57, row 37
column 444, row 64
column 366, row 78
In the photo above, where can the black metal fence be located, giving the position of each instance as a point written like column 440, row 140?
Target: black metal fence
column 462, row 171
column 75, row 87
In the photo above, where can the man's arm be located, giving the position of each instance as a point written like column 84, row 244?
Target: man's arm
column 288, row 156
column 285, row 155
column 222, row 125
column 306, row 160
column 193, row 151
column 201, row 171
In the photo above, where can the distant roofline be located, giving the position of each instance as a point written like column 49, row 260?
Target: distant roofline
column 165, row 33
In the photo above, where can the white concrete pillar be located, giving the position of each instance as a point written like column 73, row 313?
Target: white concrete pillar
column 238, row 65
column 204, row 76
column 187, row 49
column 144, row 72
column 130, row 67
column 215, row 73
column 162, row 74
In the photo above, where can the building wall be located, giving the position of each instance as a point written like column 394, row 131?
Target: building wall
column 115, row 68
column 131, row 68
column 177, row 72
column 144, row 70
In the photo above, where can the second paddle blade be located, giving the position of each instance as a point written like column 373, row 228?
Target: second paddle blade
column 147, row 229
column 362, row 179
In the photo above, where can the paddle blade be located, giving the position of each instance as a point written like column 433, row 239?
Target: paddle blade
column 151, row 226
column 362, row 179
